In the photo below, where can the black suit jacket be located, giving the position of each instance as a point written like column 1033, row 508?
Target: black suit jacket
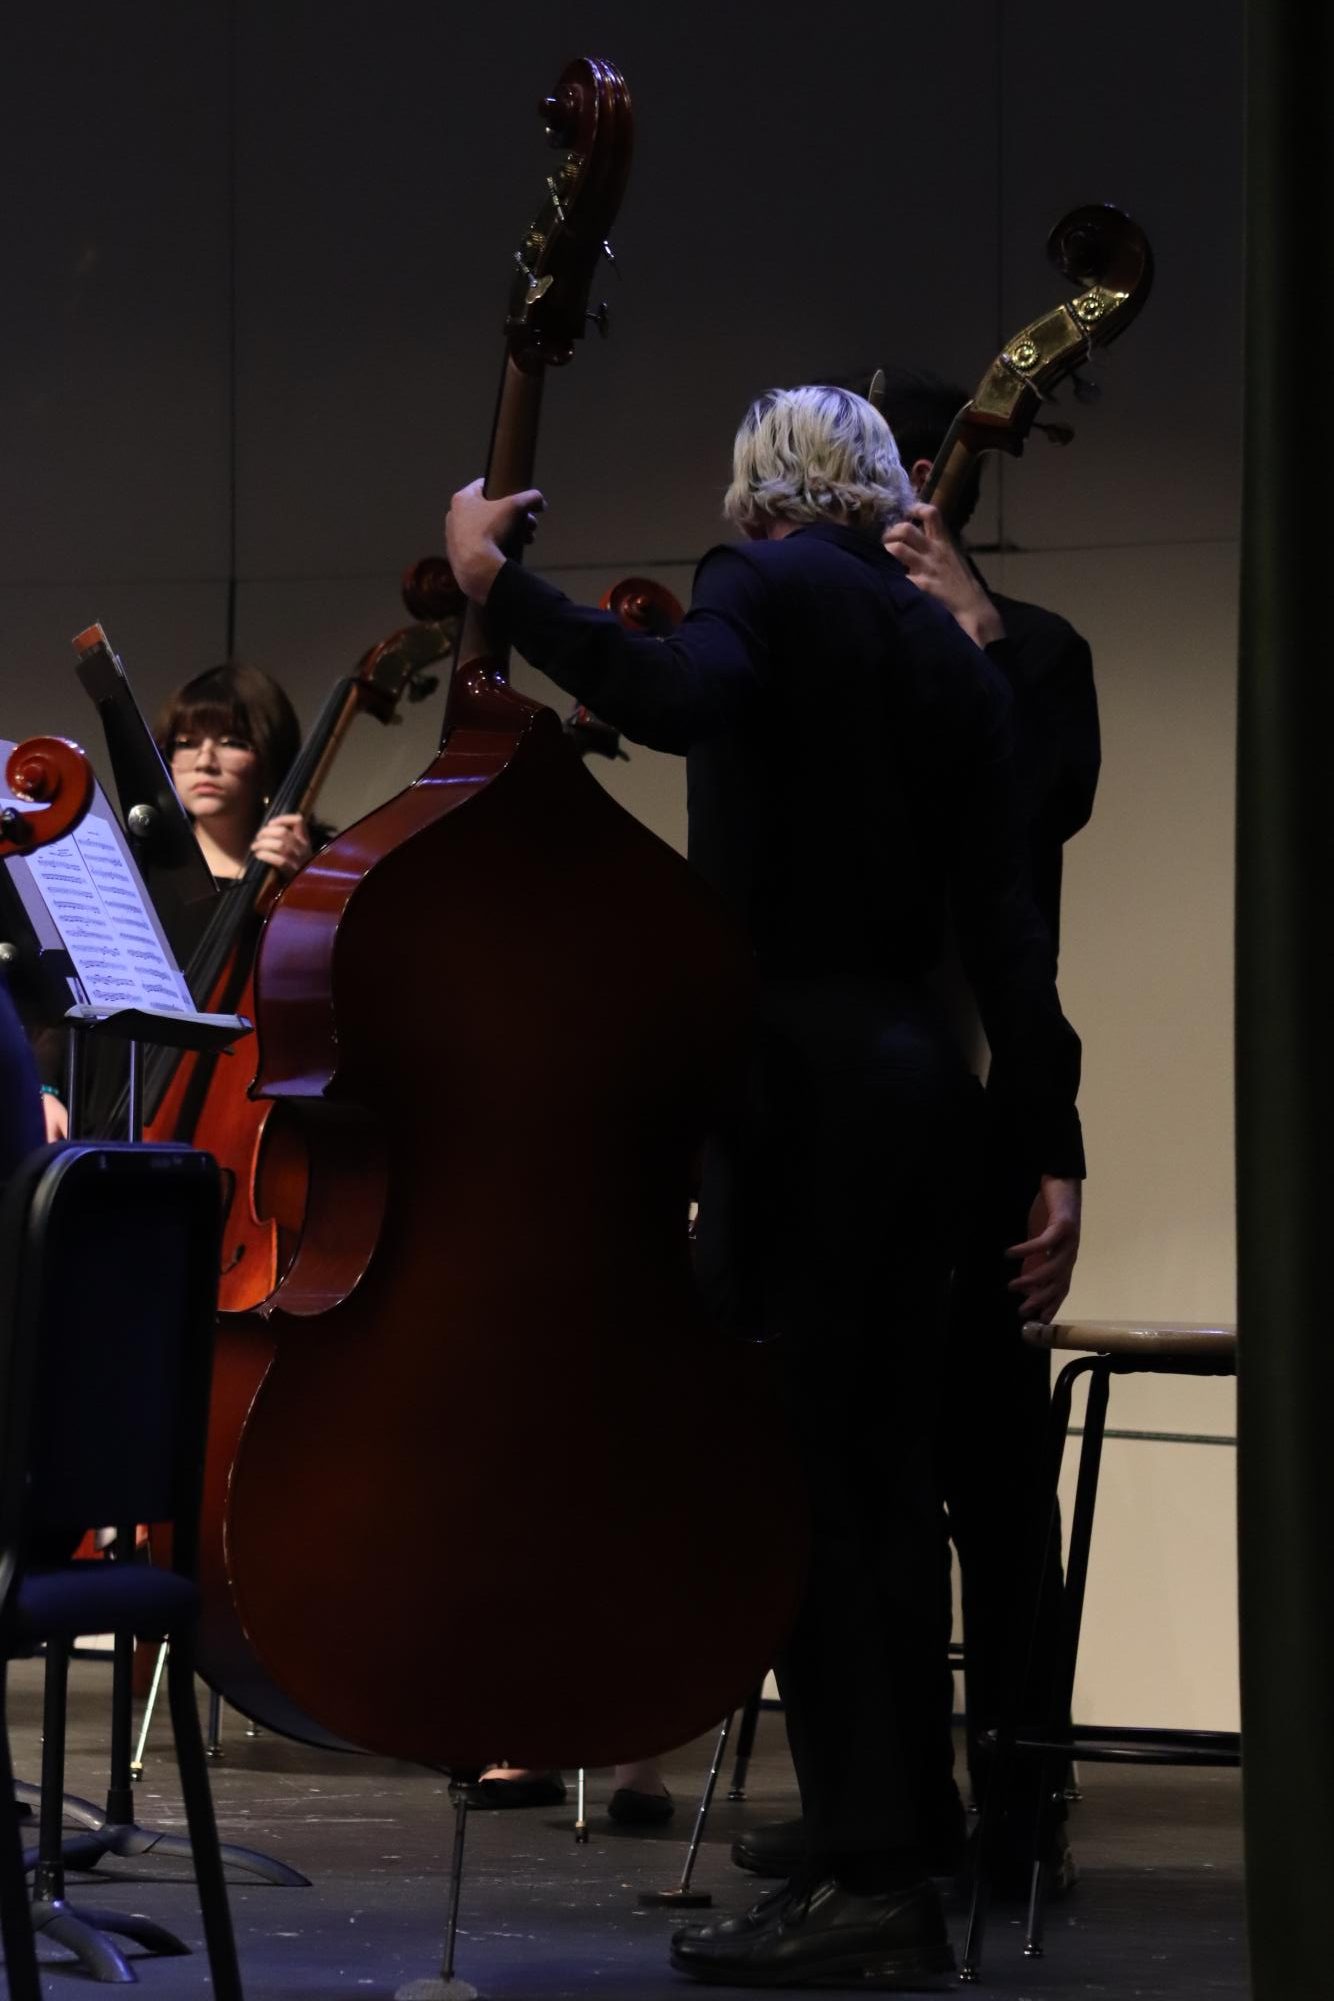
column 851, row 773
column 1058, row 748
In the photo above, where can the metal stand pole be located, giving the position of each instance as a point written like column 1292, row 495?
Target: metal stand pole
column 137, row 1765
column 745, row 1744
column 580, row 1816
column 682, row 1895
column 446, row 1985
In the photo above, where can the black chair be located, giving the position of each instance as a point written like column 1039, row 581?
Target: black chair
column 1048, row 1739
column 108, row 1290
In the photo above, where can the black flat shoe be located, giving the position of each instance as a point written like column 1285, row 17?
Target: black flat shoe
column 538, row 1789
column 824, row 1936
column 631, row 1809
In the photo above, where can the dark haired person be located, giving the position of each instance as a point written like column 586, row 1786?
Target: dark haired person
column 998, row 1387
column 228, row 737
column 849, row 771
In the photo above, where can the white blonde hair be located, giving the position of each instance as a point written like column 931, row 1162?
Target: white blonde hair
column 816, row 454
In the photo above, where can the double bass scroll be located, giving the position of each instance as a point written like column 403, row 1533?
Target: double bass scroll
column 1107, row 257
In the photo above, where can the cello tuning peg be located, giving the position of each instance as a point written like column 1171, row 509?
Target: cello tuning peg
column 1086, row 391
column 601, row 319
column 555, row 115
column 611, row 258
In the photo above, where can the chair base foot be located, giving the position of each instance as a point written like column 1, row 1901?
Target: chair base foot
column 684, row 1900
column 125, row 1839
column 85, row 1932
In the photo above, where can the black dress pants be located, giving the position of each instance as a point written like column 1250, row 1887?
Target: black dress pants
column 997, row 1398
column 840, row 1198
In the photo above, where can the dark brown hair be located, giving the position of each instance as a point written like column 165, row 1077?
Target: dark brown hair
column 236, row 700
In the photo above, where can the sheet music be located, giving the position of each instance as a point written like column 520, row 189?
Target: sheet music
column 97, row 900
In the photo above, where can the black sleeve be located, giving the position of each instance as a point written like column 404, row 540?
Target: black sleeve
column 667, row 693
column 21, row 1124
column 1008, row 957
column 1059, row 754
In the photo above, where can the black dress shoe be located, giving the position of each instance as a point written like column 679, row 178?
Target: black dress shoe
column 821, row 1935
column 629, row 1808
column 778, row 1849
column 536, row 1789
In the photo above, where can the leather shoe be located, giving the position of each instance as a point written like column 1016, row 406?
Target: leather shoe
column 629, row 1808
column 779, row 1849
column 536, row 1789
column 819, row 1934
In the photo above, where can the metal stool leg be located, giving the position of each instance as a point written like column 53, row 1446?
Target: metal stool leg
column 581, row 1814
column 1022, row 1671
column 682, row 1895
column 1061, row 1685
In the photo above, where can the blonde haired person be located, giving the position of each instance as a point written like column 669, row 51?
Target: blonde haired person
column 816, row 454
column 850, row 778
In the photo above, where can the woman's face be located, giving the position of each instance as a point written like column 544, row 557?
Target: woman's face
column 216, row 776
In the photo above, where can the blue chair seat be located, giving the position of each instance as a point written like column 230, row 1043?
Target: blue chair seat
column 92, row 1596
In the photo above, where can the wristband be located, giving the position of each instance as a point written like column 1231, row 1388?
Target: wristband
column 50, row 1091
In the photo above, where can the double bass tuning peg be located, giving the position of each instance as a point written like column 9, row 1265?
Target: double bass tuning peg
column 601, row 319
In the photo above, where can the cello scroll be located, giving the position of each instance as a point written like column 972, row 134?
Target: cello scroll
column 54, row 775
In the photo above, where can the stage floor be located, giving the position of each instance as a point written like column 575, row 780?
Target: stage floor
column 1157, row 1916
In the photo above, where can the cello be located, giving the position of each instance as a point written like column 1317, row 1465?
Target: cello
column 511, row 1247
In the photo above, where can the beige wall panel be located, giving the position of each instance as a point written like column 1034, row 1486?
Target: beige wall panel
column 1159, row 1645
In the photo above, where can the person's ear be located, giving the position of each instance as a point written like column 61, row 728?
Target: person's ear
column 917, row 473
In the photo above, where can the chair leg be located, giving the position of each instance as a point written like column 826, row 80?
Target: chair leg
column 21, row 1973
column 204, row 1845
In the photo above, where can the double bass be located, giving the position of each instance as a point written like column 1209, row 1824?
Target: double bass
column 207, row 1102
column 500, row 1254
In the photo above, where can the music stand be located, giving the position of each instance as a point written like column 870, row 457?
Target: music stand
column 155, row 821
